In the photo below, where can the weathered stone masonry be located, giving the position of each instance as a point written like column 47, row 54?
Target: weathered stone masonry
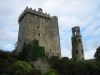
column 42, row 27
column 77, row 46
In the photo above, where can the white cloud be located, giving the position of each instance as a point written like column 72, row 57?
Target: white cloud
column 90, row 54
column 66, row 52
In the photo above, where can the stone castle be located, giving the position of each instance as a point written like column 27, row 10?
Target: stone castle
column 36, row 25
column 42, row 27
column 77, row 46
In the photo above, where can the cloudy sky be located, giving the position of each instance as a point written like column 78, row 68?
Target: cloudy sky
column 83, row 13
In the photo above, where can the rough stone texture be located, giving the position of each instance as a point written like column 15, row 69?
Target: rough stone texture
column 77, row 46
column 42, row 65
column 42, row 27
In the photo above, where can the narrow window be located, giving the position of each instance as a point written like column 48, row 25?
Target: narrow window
column 75, row 33
column 38, row 66
column 82, row 51
column 37, row 26
column 79, row 40
column 50, row 49
column 78, row 30
column 38, row 34
column 76, row 51
column 58, row 54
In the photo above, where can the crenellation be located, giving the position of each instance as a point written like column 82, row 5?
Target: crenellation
column 26, row 8
column 48, row 15
column 38, row 13
column 55, row 17
column 30, row 9
column 39, row 9
column 34, row 10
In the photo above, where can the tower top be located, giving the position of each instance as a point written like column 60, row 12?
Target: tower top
column 76, row 31
column 38, row 12
column 40, row 9
column 76, row 28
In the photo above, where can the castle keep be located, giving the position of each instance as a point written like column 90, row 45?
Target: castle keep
column 40, row 26
column 77, row 46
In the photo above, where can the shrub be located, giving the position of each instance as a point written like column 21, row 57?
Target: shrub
column 20, row 68
column 51, row 72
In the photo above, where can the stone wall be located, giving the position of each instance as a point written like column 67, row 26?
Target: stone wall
column 42, row 27
column 77, row 46
column 42, row 65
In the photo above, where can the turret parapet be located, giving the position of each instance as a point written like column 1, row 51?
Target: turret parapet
column 49, row 15
column 30, row 10
column 26, row 8
column 76, row 31
column 55, row 18
column 40, row 9
column 76, row 27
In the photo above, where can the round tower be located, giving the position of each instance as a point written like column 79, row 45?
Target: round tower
column 77, row 46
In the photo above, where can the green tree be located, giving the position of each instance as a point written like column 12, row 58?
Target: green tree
column 97, row 59
column 6, row 59
column 20, row 68
column 32, row 51
column 51, row 72
column 97, row 54
column 53, row 60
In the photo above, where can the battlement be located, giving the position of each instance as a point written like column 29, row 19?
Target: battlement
column 76, row 28
column 38, row 12
column 76, row 31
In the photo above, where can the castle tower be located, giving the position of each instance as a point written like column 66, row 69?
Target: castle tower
column 77, row 46
column 36, row 25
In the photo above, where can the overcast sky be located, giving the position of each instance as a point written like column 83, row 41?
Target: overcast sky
column 83, row 13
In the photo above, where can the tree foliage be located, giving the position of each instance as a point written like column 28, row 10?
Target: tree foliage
column 11, row 65
column 20, row 68
column 97, row 54
column 6, row 59
column 66, row 66
column 51, row 72
column 32, row 51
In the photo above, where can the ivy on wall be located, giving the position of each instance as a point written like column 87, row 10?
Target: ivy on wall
column 74, row 50
column 32, row 51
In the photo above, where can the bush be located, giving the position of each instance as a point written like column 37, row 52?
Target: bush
column 97, row 54
column 32, row 51
column 6, row 59
column 51, row 72
column 20, row 68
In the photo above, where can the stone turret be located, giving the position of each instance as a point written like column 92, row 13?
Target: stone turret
column 35, row 24
column 30, row 10
column 77, row 46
